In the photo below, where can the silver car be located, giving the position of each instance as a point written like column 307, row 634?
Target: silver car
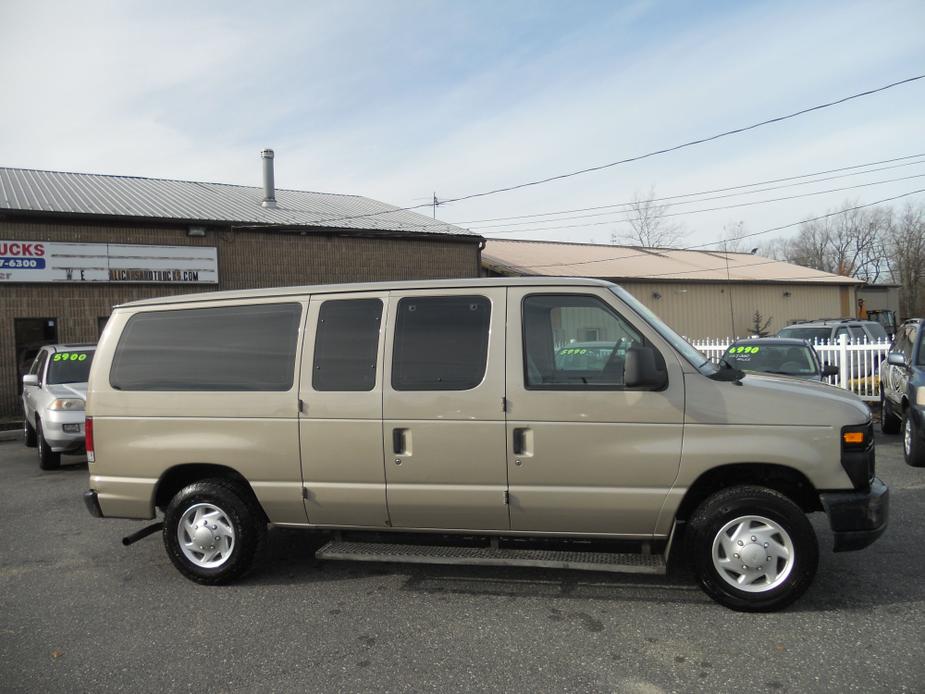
column 54, row 395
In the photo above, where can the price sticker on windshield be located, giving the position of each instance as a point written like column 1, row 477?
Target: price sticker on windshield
column 70, row 356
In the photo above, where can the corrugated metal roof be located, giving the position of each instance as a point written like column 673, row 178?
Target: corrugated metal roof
column 630, row 262
column 32, row 190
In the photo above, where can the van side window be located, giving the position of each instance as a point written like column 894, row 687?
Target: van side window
column 441, row 342
column 235, row 348
column 575, row 342
column 346, row 345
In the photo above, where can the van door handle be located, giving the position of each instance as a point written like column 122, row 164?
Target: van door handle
column 520, row 441
column 400, row 442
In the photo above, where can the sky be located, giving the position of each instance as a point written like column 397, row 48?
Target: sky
column 399, row 100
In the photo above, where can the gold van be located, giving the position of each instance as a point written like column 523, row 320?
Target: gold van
column 533, row 422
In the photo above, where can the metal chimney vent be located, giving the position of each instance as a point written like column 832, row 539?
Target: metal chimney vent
column 269, row 188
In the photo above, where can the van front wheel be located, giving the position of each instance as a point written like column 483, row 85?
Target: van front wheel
column 213, row 531
column 753, row 549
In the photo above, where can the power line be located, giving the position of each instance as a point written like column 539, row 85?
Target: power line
column 691, row 143
column 733, row 238
column 706, row 209
column 706, row 199
column 714, row 190
column 654, row 153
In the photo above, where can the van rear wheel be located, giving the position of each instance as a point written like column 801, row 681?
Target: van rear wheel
column 753, row 549
column 213, row 531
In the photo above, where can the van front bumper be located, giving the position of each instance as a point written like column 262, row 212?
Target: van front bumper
column 857, row 518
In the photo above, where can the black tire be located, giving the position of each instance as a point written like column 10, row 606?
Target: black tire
column 244, row 515
column 29, row 437
column 730, row 504
column 48, row 459
column 914, row 450
column 890, row 423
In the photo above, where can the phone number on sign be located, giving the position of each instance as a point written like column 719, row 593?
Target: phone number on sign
column 23, row 263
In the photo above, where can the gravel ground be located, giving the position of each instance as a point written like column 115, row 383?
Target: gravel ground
column 80, row 612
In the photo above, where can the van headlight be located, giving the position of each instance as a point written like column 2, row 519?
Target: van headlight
column 67, row 405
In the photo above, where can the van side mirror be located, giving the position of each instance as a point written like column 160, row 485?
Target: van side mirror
column 30, row 380
column 829, row 370
column 896, row 359
column 640, row 370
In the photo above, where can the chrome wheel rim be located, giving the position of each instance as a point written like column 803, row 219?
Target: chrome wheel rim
column 907, row 437
column 753, row 554
column 206, row 535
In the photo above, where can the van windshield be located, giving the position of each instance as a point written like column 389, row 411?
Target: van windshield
column 691, row 353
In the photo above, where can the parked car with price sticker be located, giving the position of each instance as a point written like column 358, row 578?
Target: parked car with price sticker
column 54, row 395
column 779, row 356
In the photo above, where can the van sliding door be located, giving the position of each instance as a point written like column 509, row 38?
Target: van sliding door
column 443, row 425
column 341, row 411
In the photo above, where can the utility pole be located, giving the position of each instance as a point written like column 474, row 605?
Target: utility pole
column 435, row 204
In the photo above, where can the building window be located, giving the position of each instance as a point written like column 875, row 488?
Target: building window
column 238, row 348
column 346, row 345
column 441, row 342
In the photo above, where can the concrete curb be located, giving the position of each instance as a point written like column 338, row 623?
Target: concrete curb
column 10, row 435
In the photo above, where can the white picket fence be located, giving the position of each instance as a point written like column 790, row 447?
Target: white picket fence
column 858, row 362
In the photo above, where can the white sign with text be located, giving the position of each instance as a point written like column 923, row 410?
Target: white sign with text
column 52, row 261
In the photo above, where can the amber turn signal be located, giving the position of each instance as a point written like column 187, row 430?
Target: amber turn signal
column 853, row 437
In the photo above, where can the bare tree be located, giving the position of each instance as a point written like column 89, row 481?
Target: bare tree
column 850, row 243
column 650, row 224
column 872, row 244
column 732, row 238
column 760, row 325
column 906, row 246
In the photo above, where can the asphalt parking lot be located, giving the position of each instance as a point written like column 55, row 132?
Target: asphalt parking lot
column 80, row 612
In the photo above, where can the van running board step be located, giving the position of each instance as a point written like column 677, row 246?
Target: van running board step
column 488, row 556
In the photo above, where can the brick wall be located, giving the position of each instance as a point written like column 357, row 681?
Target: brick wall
column 246, row 259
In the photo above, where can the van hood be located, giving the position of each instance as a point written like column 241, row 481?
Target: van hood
column 764, row 399
column 68, row 390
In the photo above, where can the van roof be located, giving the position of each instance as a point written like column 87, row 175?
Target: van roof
column 370, row 287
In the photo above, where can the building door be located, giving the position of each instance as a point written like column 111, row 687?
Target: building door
column 340, row 421
column 30, row 335
column 443, row 410
column 585, row 453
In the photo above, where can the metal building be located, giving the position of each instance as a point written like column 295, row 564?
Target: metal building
column 701, row 294
column 73, row 245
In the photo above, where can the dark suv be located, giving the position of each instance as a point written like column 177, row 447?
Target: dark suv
column 902, row 390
